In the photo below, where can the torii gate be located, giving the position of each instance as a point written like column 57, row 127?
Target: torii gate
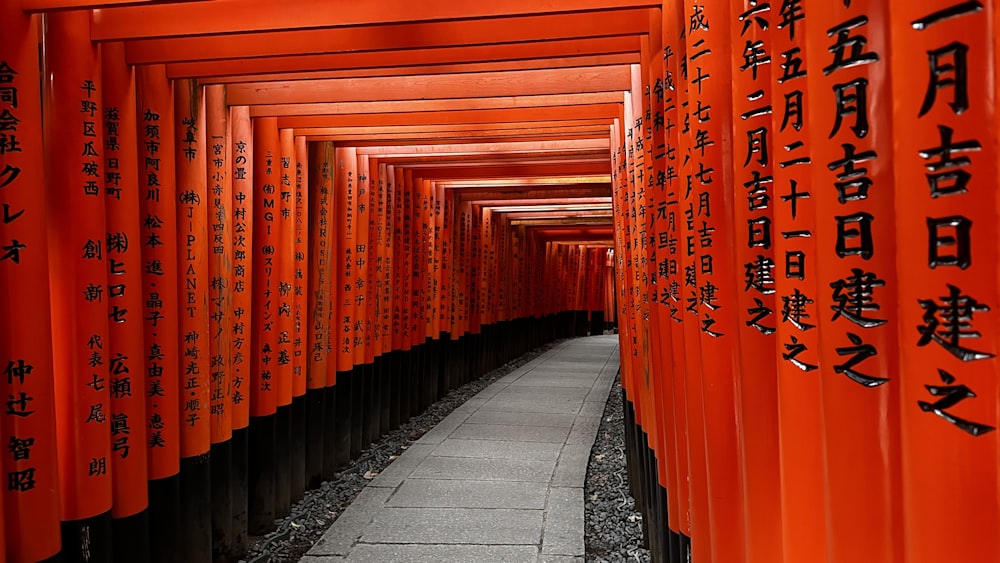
column 243, row 238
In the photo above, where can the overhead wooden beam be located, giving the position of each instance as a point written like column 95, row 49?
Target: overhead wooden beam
column 443, row 86
column 416, row 130
column 52, row 5
column 510, row 147
column 542, row 200
column 531, row 64
column 512, row 174
column 392, row 37
column 551, row 134
column 574, row 221
column 550, row 114
column 240, row 16
column 457, row 104
column 521, row 193
column 591, row 46
column 542, row 214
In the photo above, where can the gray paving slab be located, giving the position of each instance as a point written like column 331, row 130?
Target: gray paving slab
column 511, row 433
column 499, row 479
column 593, row 408
column 521, row 418
column 545, row 558
column 402, row 466
column 571, row 467
column 557, row 381
column 351, row 524
column 584, row 430
column 531, row 470
column 455, row 493
column 552, row 392
column 407, row 553
column 562, row 533
column 493, row 449
column 493, row 526
column 530, row 405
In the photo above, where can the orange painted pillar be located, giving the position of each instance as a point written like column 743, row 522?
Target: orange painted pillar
column 695, row 533
column 240, row 315
column 423, row 259
column 125, row 335
column 318, row 326
column 78, row 277
column 800, row 440
column 220, row 299
column 848, row 53
column 161, row 309
column 715, row 234
column 346, row 206
column 944, row 120
column 400, row 305
column 300, row 283
column 388, row 296
column 379, row 250
column 337, row 439
column 31, row 496
column 362, row 298
column 284, row 265
column 665, row 211
column 266, row 325
column 751, row 34
column 681, row 276
column 193, row 250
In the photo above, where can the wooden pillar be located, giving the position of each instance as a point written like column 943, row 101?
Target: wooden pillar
column 320, row 164
column 78, row 278
column 300, row 284
column 944, row 123
column 715, row 234
column 751, row 55
column 851, row 151
column 666, row 216
column 193, row 250
column 220, row 335
column 161, row 310
column 264, row 378
column 125, row 335
column 30, row 498
column 241, row 315
column 800, row 439
column 284, row 265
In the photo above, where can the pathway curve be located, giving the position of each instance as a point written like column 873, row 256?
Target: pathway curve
column 499, row 480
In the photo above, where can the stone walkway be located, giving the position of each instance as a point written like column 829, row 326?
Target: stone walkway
column 499, row 480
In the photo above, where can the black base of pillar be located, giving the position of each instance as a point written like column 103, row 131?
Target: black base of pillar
column 392, row 369
column 282, row 463
column 87, row 540
column 222, row 503
column 164, row 518
column 297, row 463
column 239, row 491
column 357, row 411
column 404, row 369
column 131, row 538
column 315, row 421
column 262, row 452
column 196, row 509
column 343, row 422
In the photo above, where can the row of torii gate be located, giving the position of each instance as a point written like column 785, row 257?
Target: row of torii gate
column 242, row 239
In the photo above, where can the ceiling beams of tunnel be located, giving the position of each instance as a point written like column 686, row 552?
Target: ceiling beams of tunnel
column 495, row 101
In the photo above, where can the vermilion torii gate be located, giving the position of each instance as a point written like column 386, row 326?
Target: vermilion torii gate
column 242, row 239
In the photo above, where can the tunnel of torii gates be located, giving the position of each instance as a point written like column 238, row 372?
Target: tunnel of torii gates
column 242, row 239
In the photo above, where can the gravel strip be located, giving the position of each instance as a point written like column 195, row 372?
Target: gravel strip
column 613, row 526
column 311, row 516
